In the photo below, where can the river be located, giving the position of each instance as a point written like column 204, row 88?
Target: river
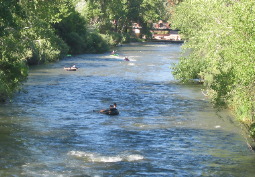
column 164, row 128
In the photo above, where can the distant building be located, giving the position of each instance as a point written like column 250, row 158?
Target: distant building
column 159, row 31
column 136, row 28
column 160, row 25
column 162, row 31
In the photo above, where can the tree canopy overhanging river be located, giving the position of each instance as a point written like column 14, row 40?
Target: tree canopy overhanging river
column 163, row 129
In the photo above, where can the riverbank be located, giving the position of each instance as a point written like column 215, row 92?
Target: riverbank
column 168, row 41
column 218, row 55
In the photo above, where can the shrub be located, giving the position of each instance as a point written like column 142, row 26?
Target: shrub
column 47, row 50
column 13, row 68
column 96, row 43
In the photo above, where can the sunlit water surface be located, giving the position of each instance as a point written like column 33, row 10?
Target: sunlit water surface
column 164, row 128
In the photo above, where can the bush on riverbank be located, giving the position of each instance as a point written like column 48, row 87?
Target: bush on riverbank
column 46, row 49
column 220, row 41
column 13, row 68
column 96, row 43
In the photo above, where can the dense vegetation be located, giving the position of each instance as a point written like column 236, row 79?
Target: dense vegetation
column 220, row 50
column 38, row 31
column 114, row 17
column 27, row 37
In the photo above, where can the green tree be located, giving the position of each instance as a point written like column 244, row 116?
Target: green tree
column 13, row 68
column 72, row 29
column 220, row 46
column 41, row 39
column 118, row 15
column 26, row 35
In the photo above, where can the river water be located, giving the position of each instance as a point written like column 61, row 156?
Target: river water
column 163, row 129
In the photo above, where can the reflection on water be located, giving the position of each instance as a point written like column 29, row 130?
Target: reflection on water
column 164, row 128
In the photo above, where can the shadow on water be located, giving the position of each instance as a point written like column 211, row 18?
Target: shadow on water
column 164, row 129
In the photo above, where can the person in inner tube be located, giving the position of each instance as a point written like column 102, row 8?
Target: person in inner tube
column 112, row 108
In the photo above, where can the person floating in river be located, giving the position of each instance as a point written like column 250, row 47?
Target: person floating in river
column 71, row 68
column 111, row 111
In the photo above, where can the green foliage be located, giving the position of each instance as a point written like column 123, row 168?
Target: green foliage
column 41, row 39
column 220, row 40
column 13, row 69
column 47, row 50
column 26, row 36
column 118, row 15
column 113, row 38
column 72, row 29
column 97, row 43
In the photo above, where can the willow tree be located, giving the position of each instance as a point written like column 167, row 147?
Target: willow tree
column 220, row 40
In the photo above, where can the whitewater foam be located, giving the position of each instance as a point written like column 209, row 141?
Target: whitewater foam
column 93, row 157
